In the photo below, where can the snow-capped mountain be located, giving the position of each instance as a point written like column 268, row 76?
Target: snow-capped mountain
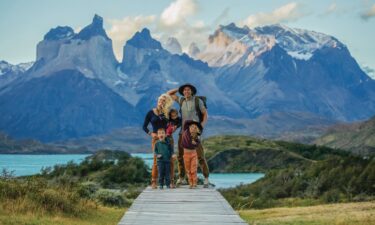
column 6, row 67
column 152, row 70
column 230, row 43
column 173, row 46
column 275, row 68
column 299, row 43
column 9, row 72
column 252, row 79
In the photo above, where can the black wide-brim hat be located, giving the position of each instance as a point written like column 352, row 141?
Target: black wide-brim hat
column 190, row 122
column 181, row 89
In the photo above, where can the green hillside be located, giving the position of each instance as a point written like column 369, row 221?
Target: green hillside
column 358, row 138
column 295, row 174
column 249, row 154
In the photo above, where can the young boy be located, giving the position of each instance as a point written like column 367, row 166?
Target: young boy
column 190, row 141
column 173, row 123
column 164, row 152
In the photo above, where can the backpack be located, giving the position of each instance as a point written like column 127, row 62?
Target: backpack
column 196, row 99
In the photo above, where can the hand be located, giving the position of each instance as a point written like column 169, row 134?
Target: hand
column 153, row 135
column 174, row 156
column 158, row 156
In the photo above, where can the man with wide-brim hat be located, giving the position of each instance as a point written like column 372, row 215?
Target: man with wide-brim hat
column 189, row 104
column 192, row 88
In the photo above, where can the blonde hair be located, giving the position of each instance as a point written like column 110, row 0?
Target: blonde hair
column 168, row 104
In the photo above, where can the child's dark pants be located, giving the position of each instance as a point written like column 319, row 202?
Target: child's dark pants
column 164, row 169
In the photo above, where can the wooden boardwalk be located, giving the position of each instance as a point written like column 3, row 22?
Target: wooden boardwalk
column 181, row 206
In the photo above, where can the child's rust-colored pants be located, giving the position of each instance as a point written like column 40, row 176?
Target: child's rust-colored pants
column 191, row 166
column 154, row 170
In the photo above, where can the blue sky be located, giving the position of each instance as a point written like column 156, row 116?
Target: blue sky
column 23, row 23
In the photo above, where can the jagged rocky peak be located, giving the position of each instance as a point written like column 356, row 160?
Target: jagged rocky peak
column 94, row 29
column 59, row 33
column 6, row 67
column 231, row 31
column 173, row 46
column 143, row 39
column 231, row 44
column 193, row 50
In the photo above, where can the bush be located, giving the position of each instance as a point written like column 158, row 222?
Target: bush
column 332, row 196
column 58, row 201
column 88, row 189
column 111, row 198
column 35, row 195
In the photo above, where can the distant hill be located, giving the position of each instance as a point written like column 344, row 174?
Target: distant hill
column 9, row 145
column 358, row 138
column 129, row 139
column 249, row 154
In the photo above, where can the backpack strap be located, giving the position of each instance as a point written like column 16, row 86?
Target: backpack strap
column 182, row 99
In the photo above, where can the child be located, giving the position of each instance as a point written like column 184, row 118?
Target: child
column 190, row 140
column 173, row 123
column 164, row 152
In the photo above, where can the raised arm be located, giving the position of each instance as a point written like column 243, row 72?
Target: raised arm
column 172, row 93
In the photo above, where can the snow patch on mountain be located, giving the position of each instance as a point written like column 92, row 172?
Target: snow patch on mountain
column 231, row 44
column 7, row 68
column 299, row 43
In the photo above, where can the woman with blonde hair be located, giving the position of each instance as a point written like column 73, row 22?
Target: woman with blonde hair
column 158, row 117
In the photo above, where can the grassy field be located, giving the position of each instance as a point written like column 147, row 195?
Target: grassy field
column 362, row 213
column 101, row 216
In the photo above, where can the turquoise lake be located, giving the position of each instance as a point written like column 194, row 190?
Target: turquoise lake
column 32, row 164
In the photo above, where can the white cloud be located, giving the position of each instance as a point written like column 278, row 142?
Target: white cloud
column 332, row 8
column 285, row 13
column 224, row 14
column 122, row 30
column 176, row 13
column 172, row 22
column 368, row 14
column 185, row 33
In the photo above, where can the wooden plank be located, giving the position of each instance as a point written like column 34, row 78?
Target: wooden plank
column 181, row 206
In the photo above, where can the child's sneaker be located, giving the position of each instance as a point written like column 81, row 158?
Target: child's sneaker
column 180, row 181
column 206, row 182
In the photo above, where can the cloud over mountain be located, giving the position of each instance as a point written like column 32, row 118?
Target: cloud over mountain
column 285, row 13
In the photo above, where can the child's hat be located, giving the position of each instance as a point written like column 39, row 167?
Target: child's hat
column 190, row 122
